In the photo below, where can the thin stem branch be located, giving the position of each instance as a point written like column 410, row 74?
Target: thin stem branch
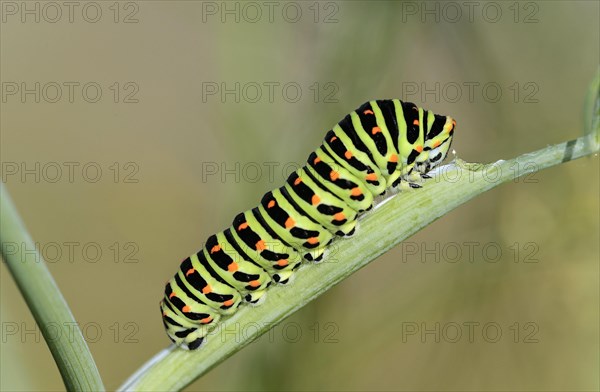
column 45, row 301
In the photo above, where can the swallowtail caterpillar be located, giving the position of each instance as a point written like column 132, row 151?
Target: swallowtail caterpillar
column 382, row 145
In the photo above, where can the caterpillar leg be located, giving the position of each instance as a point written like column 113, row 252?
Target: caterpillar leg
column 256, row 297
column 194, row 340
column 401, row 185
column 315, row 255
column 284, row 277
column 349, row 233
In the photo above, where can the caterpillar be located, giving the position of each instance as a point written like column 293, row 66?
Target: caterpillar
column 383, row 145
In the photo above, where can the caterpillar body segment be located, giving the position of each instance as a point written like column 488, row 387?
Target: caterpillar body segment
column 340, row 147
column 274, row 256
column 321, row 205
column 339, row 181
column 382, row 145
column 235, row 267
column 200, row 281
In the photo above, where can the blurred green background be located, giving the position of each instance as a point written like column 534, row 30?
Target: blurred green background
column 513, row 74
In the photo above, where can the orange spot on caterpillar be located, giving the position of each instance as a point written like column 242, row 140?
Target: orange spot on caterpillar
column 289, row 222
column 416, row 122
column 298, row 181
column 164, row 314
column 207, row 289
column 206, row 320
column 334, row 175
column 371, row 177
column 260, row 245
column 271, row 204
column 215, row 248
column 356, row 191
column 375, row 130
column 339, row 216
column 448, row 129
column 333, row 138
column 232, row 267
column 228, row 303
column 436, row 143
column 317, row 160
column 186, row 309
column 313, row 240
column 368, row 111
column 394, row 158
column 315, row 200
column 172, row 295
column 254, row 283
column 348, row 154
column 419, row 148
column 243, row 226
column 190, row 271
column 282, row 262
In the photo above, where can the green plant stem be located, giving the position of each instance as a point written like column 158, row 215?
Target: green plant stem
column 391, row 222
column 45, row 301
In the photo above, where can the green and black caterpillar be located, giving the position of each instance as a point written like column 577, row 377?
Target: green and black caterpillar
column 384, row 144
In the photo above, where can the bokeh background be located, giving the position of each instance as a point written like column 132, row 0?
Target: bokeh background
column 185, row 139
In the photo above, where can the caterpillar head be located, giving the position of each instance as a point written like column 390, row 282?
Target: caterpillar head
column 437, row 143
